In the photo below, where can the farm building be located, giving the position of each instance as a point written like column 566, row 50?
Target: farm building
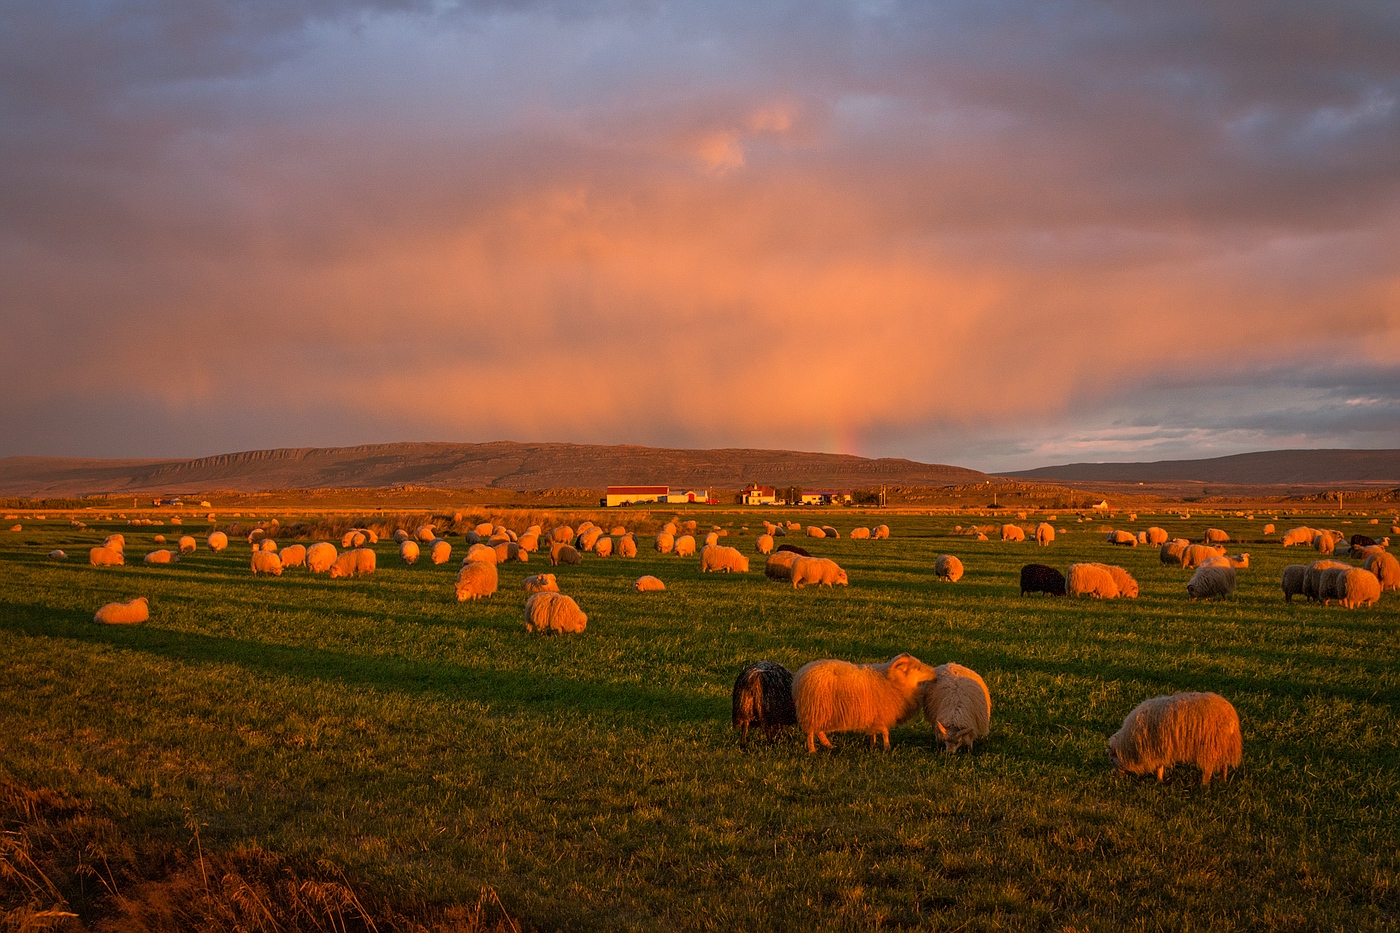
column 691, row 495
column 825, row 497
column 626, row 495
column 760, row 495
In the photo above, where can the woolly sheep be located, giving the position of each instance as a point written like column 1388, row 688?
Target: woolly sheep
column 541, row 583
column 1156, row 536
column 779, row 565
column 837, row 696
column 648, row 584
column 587, row 538
column 794, row 526
column 1091, row 580
column 563, row 554
column 1215, row 536
column 1268, row 529
column 562, row 534
column 603, row 547
column 1044, row 534
column 665, row 543
column 528, row 542
column 132, row 613
column 267, row 544
column 817, row 570
column 105, row 557
column 484, row 553
column 352, row 563
column 1386, row 568
column 958, row 705
column 860, row 534
column 400, row 536
column 408, row 551
column 1142, row 537
column 477, row 579
column 1200, row 729
column 293, row 555
column 1172, row 551
column 159, row 539
column 320, row 557
column 1012, row 533
column 161, row 556
column 351, row 539
column 814, row 532
column 439, row 552
column 186, row 544
column 509, row 550
column 627, row 546
column 500, row 537
column 831, row 532
column 1292, row 581
column 1358, row 587
column 948, row 568
column 763, row 697
column 690, row 525
column 800, row 551
column 1312, row 577
column 1210, row 582
column 554, row 612
column 685, row 546
column 711, row 538
column 1326, row 541
column 1330, row 585
column 471, row 537
column 1194, row 554
column 1300, row 535
column 116, row 543
column 670, row 528
column 764, row 544
column 425, row 533
column 1127, row 586
column 779, row 531
column 1039, row 578
column 1126, row 538
column 57, row 554
column 715, row 558
column 217, row 541
column 618, row 531
column 881, row 531
column 267, row 562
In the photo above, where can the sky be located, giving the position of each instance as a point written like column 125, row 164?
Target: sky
column 995, row 234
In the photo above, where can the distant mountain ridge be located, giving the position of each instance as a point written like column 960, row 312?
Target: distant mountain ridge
column 1264, row 467
column 499, row 464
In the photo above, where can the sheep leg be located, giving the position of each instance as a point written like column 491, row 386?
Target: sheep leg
column 1161, row 769
column 811, row 746
column 822, row 736
column 884, row 734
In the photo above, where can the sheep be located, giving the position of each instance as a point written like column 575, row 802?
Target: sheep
column 132, row 613
column 1358, row 587
column 603, row 547
column 648, row 584
column 541, row 583
column 1292, row 581
column 562, row 534
column 690, row 525
column 711, row 539
column 779, row 530
column 831, row 531
column 1215, row 536
column 1268, row 529
column 408, row 551
column 1125, row 538
column 948, row 568
column 425, row 533
column 439, row 551
column 161, row 556
column 685, row 546
column 779, row 565
column 1195, row 554
column 1386, row 568
column 529, row 542
column 1360, row 540
column 1200, row 729
column 293, row 555
column 105, row 557
column 881, row 532
column 563, row 554
column 817, row 570
column 267, row 562
column 1039, row 578
column 353, row 563
column 1127, row 586
column 482, row 552
column 1212, row 581
column 716, row 557
column 627, row 546
column 1044, row 533
column 794, row 526
column 500, row 537
column 1156, row 536
column 352, row 539
column 267, row 544
column 554, row 612
column 618, row 531
column 800, row 551
column 764, row 544
column 57, row 554
column 477, row 579
column 320, row 557
column 814, row 532
column 762, row 696
column 665, row 543
column 400, row 536
column 1171, row 552
column 860, row 534
column 217, row 541
column 1312, row 577
column 958, row 705
column 670, row 528
column 837, row 696
column 471, row 537
column 159, row 539
column 1012, row 533
column 1326, row 541
column 1300, row 535
column 186, row 544
column 116, row 543
column 587, row 538
column 1091, row 580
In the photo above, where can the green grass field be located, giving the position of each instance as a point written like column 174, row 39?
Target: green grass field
column 427, row 748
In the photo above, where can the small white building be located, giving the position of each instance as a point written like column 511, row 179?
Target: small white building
column 825, row 497
column 760, row 495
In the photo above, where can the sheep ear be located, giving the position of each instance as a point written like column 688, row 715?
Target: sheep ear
column 942, row 730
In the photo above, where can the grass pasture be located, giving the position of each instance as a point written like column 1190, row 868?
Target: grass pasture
column 426, row 748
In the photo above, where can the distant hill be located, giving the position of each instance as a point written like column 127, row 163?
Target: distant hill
column 1265, row 467
column 500, row 465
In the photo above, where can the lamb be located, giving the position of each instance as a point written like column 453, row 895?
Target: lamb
column 779, row 530
column 794, row 526
column 881, row 532
column 1239, row 561
column 1091, row 580
column 132, row 613
column 814, row 532
column 1358, row 587
column 837, row 696
column 1215, row 536
column 563, row 554
column 439, row 551
column 293, row 555
column 1038, row 578
column 1126, row 538
column 161, row 556
column 1044, row 533
column 860, row 534
column 320, row 557
column 353, row 563
column 779, row 565
column 1195, row 554
column 484, row 553
column 1210, row 582
column 817, row 570
column 627, row 546
column 665, row 543
column 541, row 583
column 716, row 557
column 648, row 584
column 186, row 544
column 1200, row 729
column 1312, row 577
column 958, row 704
column 763, row 696
column 477, row 579
column 603, row 547
column 1292, row 581
column 1172, row 551
column 217, row 541
column 408, row 551
column 105, row 557
column 554, row 612
column 948, row 568
column 116, row 543
column 1156, row 536
column 1386, row 568
column 764, row 544
column 1300, row 535
column 267, row 562
column 685, row 546
column 711, row 539
column 1012, row 533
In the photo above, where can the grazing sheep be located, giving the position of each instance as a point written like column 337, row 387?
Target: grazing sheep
column 958, row 704
column 267, row 544
column 159, row 539
column 1044, row 533
column 563, row 554
column 814, row 532
column 801, row 551
column 711, row 538
column 685, row 546
column 293, row 555
column 1012, row 533
column 541, row 583
column 116, row 543
column 1156, row 536
column 794, row 526
column 627, row 546
column 1200, row 729
column 1172, row 551
column 1300, row 535
column 476, row 580
column 186, row 544
column 763, row 696
column 831, row 532
column 439, row 551
column 837, row 696
column 1292, row 581
column 881, row 532
column 1268, row 529
column 1360, row 540
column 1358, row 587
column 1038, row 578
column 1215, row 536
column 267, row 562
column 588, row 537
column 1312, row 577
column 1326, row 541
column 1330, row 583
column 1196, row 554
column 353, row 563
column 1091, row 580
column 161, row 556
column 425, row 533
column 217, row 541
column 618, row 531
column 57, row 554
column 529, row 542
column 648, row 584
column 16, row 527
column 1210, row 582
column 715, row 558
column 105, row 557
column 948, row 568
column 132, row 613
column 860, row 534
column 779, row 565
column 779, row 531
column 484, row 553
column 408, row 551
column 351, row 539
column 400, row 536
column 665, row 543
column 764, row 544
column 562, row 534
column 320, row 557
column 690, row 525
column 1386, row 568
column 471, row 537
column 554, row 612
column 670, row 528
column 817, row 570
column 603, row 547
column 1127, row 586
column 1126, row 538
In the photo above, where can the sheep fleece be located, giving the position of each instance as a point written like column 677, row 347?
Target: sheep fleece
column 1201, row 729
column 837, row 696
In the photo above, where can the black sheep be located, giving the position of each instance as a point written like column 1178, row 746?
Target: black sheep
column 1038, row 578
column 763, row 696
column 795, row 549
column 1360, row 540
